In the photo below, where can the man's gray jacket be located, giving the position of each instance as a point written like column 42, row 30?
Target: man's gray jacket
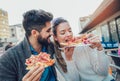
column 12, row 63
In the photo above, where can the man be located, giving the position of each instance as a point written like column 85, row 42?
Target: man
column 8, row 46
column 38, row 31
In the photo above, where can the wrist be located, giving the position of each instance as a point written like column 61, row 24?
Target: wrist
column 69, row 59
column 100, row 49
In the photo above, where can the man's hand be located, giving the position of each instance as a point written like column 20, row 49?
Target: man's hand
column 34, row 74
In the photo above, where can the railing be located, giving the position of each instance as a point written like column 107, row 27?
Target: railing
column 116, row 65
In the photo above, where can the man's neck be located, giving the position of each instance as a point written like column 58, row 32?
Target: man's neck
column 35, row 44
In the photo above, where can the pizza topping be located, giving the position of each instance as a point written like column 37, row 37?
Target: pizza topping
column 42, row 59
column 83, row 39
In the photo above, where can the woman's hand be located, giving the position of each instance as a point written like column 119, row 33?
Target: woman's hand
column 95, row 42
column 34, row 74
column 69, row 53
column 97, row 45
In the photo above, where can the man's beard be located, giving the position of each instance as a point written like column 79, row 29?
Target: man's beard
column 43, row 41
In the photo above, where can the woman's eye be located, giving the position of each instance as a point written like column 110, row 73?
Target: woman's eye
column 62, row 33
column 70, row 31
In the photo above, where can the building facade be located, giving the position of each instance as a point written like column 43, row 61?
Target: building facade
column 4, row 26
column 16, row 33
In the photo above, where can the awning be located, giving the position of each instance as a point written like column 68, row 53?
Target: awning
column 104, row 11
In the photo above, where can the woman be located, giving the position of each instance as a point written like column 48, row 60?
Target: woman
column 83, row 63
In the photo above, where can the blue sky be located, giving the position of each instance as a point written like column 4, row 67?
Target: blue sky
column 69, row 9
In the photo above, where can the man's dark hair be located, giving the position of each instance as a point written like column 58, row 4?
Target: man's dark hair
column 35, row 19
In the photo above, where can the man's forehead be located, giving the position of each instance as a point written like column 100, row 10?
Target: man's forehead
column 48, row 23
column 48, row 26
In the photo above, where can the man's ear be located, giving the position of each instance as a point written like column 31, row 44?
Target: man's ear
column 34, row 33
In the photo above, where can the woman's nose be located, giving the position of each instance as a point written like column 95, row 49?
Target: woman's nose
column 68, row 34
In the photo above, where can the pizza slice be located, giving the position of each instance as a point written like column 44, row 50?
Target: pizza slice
column 42, row 59
column 83, row 39
column 69, row 43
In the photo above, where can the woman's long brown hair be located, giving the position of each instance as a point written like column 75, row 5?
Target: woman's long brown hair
column 58, row 55
column 59, row 58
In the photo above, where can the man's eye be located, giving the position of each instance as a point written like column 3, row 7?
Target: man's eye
column 48, row 30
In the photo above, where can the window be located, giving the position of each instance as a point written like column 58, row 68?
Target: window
column 3, row 13
column 12, row 30
column 118, row 25
column 13, row 35
column 113, row 31
column 4, row 30
column 3, row 22
column 105, row 33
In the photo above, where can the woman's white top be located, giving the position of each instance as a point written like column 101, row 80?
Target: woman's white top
column 87, row 65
